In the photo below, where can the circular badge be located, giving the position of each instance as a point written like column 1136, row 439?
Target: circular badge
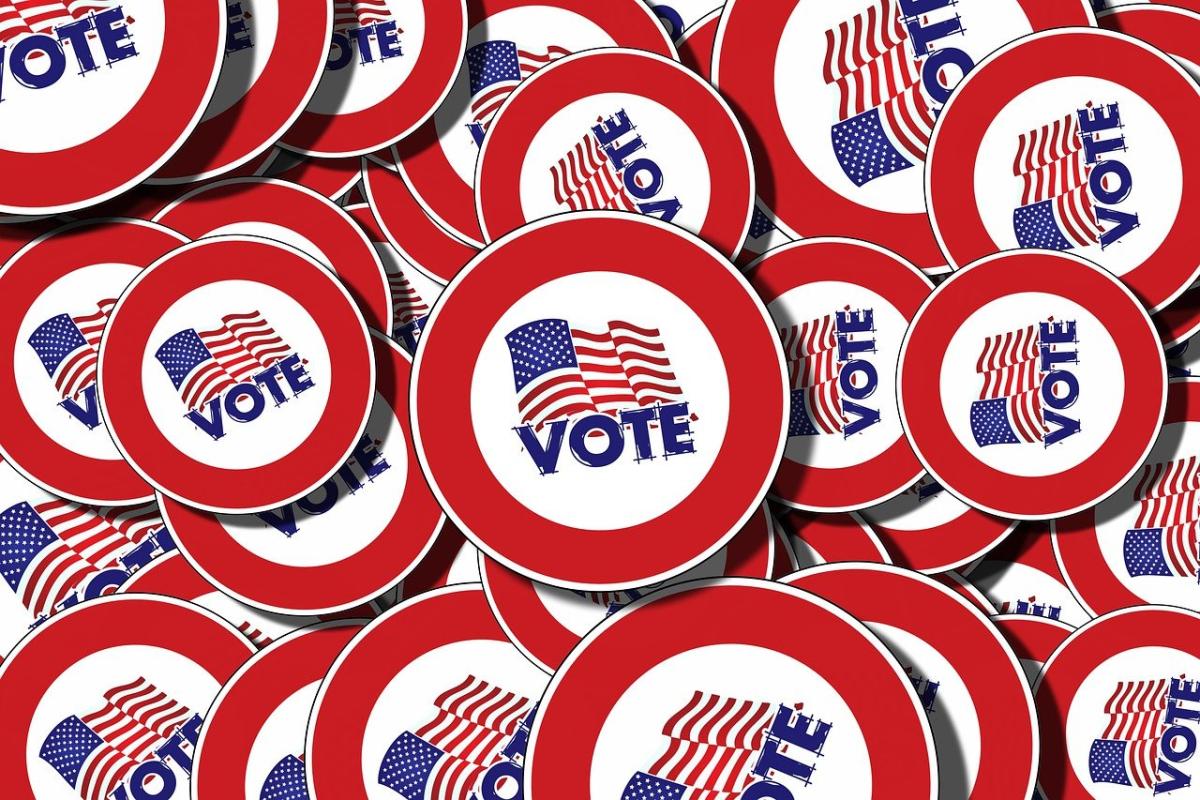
column 390, row 64
column 428, row 700
column 599, row 420
column 349, row 540
column 840, row 100
column 173, row 576
column 217, row 374
column 274, row 54
column 617, row 129
column 730, row 703
column 1117, row 703
column 545, row 621
column 412, row 232
column 1032, row 384
column 54, row 553
column 697, row 42
column 56, row 296
column 331, row 177
column 252, row 744
column 1033, row 639
column 830, row 538
column 1140, row 545
column 296, row 216
column 966, row 675
column 1040, row 152
column 508, row 41
column 412, row 292
column 841, row 308
column 99, row 95
column 930, row 530
column 1021, row 576
column 110, row 696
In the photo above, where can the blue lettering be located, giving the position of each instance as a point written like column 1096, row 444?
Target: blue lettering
column 614, row 440
column 545, row 458
column 237, row 32
column 89, row 412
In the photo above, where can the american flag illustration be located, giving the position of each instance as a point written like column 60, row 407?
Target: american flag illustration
column 1127, row 750
column 351, row 14
column 811, row 351
column 96, row 752
column 1009, row 408
column 585, row 179
column 286, row 780
column 20, row 17
column 69, row 348
column 760, row 224
column 884, row 120
column 713, row 744
column 49, row 548
column 496, row 68
column 1056, row 210
column 1163, row 540
column 446, row 758
column 561, row 371
column 203, row 364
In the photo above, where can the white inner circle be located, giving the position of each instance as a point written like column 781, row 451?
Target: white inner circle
column 1099, row 373
column 579, row 495
column 632, row 738
column 800, row 88
column 279, row 429
column 78, row 108
column 811, row 301
column 76, row 294
column 669, row 144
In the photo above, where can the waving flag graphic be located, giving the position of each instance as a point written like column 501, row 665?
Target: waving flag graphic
column 1163, row 540
column 1127, row 750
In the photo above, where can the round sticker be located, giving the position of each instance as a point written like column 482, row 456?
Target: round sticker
column 930, row 530
column 294, row 215
column 331, row 177
column 617, row 129
column 57, row 553
column 840, row 100
column 545, row 622
column 428, row 699
column 274, row 55
column 508, row 41
column 1117, row 703
column 252, row 744
column 1041, row 147
column 1033, row 639
column 412, row 232
column 172, row 576
column 1032, row 384
column 217, row 374
column 110, row 696
column 665, row 384
column 56, row 296
column 100, row 94
column 350, row 539
column 1021, row 576
column 966, row 675
column 412, row 292
column 731, row 702
column 390, row 64
column 830, row 538
column 697, row 43
column 1139, row 546
column 841, row 308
